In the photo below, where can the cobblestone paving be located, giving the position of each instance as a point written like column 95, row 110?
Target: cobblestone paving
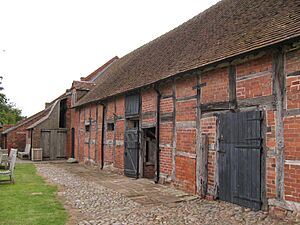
column 90, row 202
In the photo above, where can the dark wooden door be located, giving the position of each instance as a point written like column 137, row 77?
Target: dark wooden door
column 240, row 158
column 131, row 154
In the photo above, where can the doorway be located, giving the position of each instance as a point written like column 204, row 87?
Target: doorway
column 131, row 153
column 149, row 152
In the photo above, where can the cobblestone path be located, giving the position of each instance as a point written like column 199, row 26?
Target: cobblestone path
column 99, row 197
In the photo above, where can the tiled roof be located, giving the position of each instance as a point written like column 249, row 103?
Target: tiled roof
column 227, row 29
column 94, row 75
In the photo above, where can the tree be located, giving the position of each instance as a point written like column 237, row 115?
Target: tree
column 1, row 88
column 9, row 113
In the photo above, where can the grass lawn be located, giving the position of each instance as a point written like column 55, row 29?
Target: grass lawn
column 30, row 200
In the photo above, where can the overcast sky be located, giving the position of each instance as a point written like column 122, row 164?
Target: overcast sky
column 45, row 45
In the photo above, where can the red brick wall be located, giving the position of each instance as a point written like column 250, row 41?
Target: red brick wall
column 254, row 78
column 186, row 133
column 216, row 89
column 270, row 177
column 100, row 127
column 186, row 174
column 84, row 150
column 209, row 128
column 293, row 82
column 292, row 183
column 292, row 138
column 148, row 106
column 292, row 127
column 17, row 137
column 166, row 130
column 120, row 128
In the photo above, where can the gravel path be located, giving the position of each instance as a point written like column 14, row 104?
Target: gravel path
column 90, row 203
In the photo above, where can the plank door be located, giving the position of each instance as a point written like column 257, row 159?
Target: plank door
column 131, row 153
column 240, row 158
column 45, row 143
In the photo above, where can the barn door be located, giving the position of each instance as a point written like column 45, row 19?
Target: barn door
column 45, row 143
column 240, row 158
column 61, row 137
column 131, row 154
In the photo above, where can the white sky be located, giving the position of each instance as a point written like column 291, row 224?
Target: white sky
column 45, row 45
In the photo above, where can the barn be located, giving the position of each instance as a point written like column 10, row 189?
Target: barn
column 211, row 107
column 53, row 132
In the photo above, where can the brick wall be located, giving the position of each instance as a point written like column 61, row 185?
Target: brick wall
column 17, row 137
column 292, row 68
column 254, row 78
column 186, row 133
column 209, row 128
column 119, row 133
column 166, row 130
column 292, row 127
column 216, row 89
column 291, row 183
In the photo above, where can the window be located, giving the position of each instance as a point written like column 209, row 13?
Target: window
column 110, row 126
column 87, row 125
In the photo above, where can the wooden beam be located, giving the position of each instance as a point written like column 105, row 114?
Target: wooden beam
column 258, row 101
column 167, row 117
column 90, row 133
column 115, row 130
column 292, row 112
column 186, row 98
column 174, row 134
column 96, row 138
column 232, row 86
column 203, row 175
column 78, row 137
column 198, row 141
column 279, row 92
column 216, row 106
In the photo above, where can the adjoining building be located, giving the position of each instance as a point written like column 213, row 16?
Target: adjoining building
column 50, row 129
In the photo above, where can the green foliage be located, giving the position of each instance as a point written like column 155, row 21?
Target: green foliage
column 9, row 113
column 30, row 201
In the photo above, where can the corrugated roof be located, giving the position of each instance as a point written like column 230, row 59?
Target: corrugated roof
column 227, row 29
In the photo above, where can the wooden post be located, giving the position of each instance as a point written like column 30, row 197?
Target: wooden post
column 115, row 130
column 198, row 141
column 96, row 138
column 90, row 132
column 279, row 91
column 173, row 176
column 204, row 167
column 78, row 137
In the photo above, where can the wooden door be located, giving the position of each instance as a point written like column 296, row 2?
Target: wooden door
column 240, row 158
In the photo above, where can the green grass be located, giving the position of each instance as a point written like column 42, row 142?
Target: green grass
column 18, row 204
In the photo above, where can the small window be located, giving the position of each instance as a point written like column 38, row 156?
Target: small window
column 87, row 128
column 110, row 126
